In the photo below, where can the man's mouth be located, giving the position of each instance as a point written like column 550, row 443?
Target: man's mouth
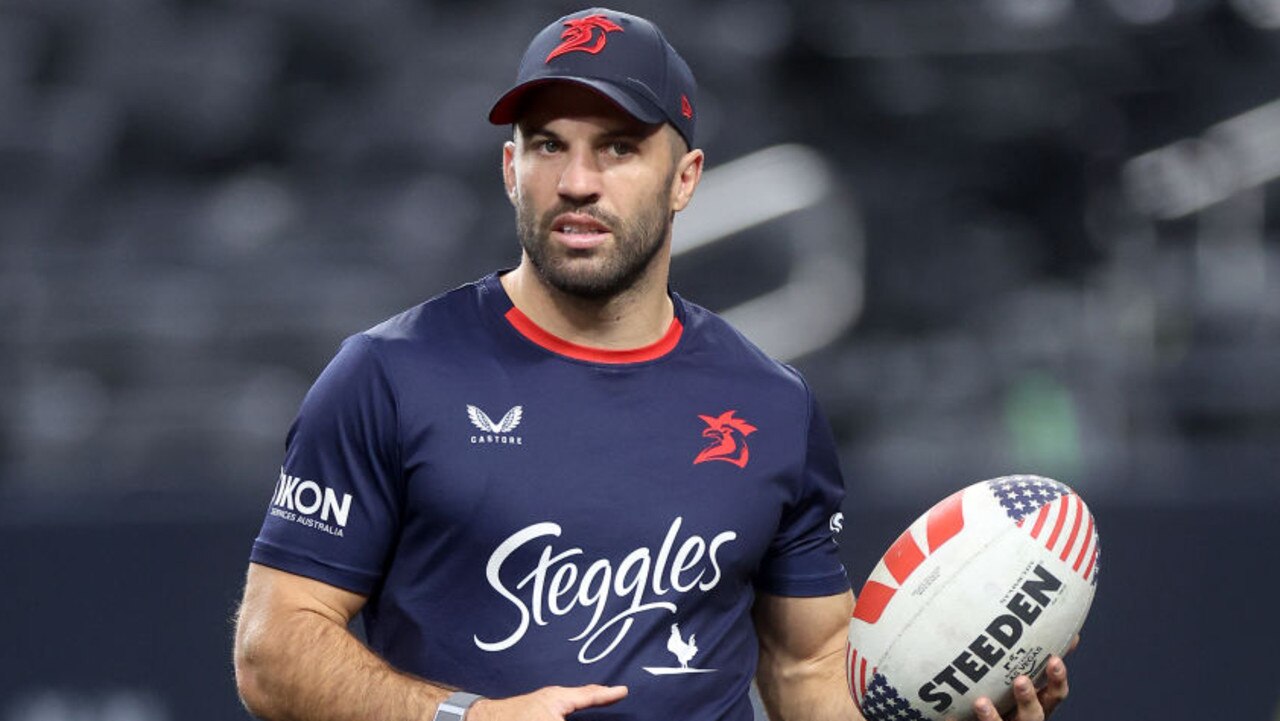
column 577, row 230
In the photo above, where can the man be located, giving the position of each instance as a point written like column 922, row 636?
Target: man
column 647, row 519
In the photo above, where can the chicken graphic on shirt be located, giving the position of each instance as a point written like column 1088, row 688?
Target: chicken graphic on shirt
column 683, row 650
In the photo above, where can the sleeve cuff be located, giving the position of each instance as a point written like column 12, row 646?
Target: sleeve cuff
column 351, row 579
column 827, row 584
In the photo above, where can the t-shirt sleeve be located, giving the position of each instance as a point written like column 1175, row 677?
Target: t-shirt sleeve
column 334, row 512
column 803, row 558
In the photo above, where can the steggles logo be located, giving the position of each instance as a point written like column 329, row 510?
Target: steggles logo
column 496, row 432
column 548, row 580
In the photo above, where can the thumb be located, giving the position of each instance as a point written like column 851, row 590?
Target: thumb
column 577, row 698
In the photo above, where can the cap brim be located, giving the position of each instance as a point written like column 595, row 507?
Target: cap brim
column 507, row 109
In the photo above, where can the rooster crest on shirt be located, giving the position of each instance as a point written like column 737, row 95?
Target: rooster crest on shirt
column 728, row 435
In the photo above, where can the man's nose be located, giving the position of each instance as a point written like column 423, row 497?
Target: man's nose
column 580, row 178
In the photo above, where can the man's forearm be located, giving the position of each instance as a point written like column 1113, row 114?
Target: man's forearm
column 302, row 666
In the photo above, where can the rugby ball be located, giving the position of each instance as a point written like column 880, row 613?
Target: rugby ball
column 983, row 587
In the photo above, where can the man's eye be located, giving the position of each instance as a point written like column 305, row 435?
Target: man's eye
column 620, row 148
column 550, row 146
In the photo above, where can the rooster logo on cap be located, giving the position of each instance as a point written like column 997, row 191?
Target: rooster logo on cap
column 580, row 32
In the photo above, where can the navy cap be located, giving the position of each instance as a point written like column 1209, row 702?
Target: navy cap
column 622, row 56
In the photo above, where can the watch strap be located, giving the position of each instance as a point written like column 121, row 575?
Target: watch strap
column 455, row 707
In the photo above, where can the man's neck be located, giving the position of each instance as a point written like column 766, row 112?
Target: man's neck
column 632, row 319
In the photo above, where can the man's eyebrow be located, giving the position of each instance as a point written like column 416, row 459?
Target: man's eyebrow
column 627, row 134
column 623, row 133
column 533, row 130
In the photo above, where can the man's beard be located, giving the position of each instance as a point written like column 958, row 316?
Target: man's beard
column 636, row 245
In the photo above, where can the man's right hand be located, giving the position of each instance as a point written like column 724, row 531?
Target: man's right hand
column 552, row 703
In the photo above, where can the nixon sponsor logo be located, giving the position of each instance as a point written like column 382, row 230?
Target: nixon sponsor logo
column 562, row 580
column 310, row 504
column 988, row 648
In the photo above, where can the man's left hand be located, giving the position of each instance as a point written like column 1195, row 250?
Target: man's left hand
column 1032, row 705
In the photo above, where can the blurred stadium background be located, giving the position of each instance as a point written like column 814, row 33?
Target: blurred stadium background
column 996, row 235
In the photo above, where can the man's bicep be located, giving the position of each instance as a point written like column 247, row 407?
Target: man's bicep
column 269, row 591
column 803, row 628
column 802, row 673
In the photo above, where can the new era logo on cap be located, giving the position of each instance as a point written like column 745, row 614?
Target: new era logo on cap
column 621, row 56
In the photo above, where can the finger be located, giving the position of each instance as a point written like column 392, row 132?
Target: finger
column 1056, row 690
column 984, row 710
column 1024, row 693
column 577, row 698
column 1075, row 641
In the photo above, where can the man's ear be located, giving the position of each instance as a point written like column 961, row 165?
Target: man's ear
column 685, row 181
column 509, row 170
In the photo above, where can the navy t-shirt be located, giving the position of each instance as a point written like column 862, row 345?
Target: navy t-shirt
column 524, row 512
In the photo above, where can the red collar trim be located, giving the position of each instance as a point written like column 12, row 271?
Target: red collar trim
column 653, row 351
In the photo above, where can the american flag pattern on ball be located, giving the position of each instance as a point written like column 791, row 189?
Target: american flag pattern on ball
column 884, row 703
column 957, row 652
column 1053, row 514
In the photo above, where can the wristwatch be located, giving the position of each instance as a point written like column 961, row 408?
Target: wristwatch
column 455, row 707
